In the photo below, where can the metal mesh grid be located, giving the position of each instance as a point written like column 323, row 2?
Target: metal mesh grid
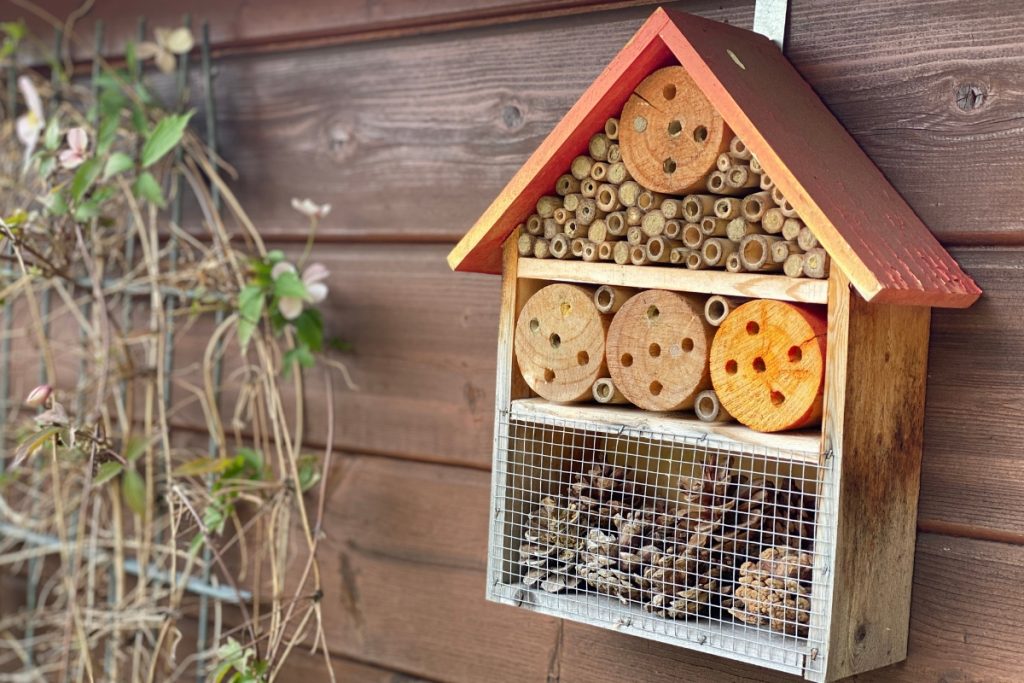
column 690, row 540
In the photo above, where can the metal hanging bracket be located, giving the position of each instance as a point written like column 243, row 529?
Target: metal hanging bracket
column 770, row 17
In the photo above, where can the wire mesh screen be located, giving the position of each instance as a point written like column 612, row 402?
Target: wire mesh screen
column 698, row 542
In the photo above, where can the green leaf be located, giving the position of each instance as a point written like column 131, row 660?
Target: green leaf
column 339, row 344
column 309, row 327
column 301, row 355
column 134, row 449
column 117, row 163
column 139, row 121
column 309, row 472
column 164, row 138
column 56, row 204
column 130, row 59
column 15, row 30
column 216, row 515
column 87, row 210
column 250, row 307
column 33, row 443
column 201, row 466
column 146, row 187
column 275, row 256
column 107, row 133
column 107, row 471
column 51, row 138
column 289, row 284
column 253, row 460
column 133, row 488
column 85, row 176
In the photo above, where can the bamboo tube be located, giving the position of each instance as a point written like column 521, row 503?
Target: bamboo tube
column 791, row 228
column 732, row 263
column 588, row 188
column 696, row 206
column 611, row 128
column 794, row 265
column 695, row 260
column 816, row 263
column 768, row 364
column 560, row 246
column 717, row 183
column 598, row 231
column 724, row 162
column 525, row 243
column 608, row 198
column 788, row 210
column 659, row 249
column 617, row 173
column 738, row 150
column 599, row 147
column 541, row 248
column 673, row 229
column 634, row 215
column 716, row 250
column 714, row 227
column 672, row 207
column 606, row 392
column 782, row 249
column 649, row 201
column 580, row 167
column 614, row 153
column 573, row 229
column 739, row 228
column 756, row 253
column 567, row 184
column 755, row 165
column 571, row 202
column 806, row 239
column 620, row 252
column 717, row 307
column 551, row 228
column 629, row 191
column 562, row 215
column 605, row 251
column 754, row 206
column 708, row 408
column 616, row 222
column 535, row 224
column 638, row 255
column 590, row 252
column 546, row 206
column 653, row 223
column 728, row 207
column 576, row 247
column 678, row 255
column 588, row 212
column 766, row 182
column 635, row 235
column 692, row 236
column 777, row 196
column 773, row 220
column 599, row 171
column 741, row 177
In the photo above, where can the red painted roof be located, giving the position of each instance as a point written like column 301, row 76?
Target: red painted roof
column 885, row 250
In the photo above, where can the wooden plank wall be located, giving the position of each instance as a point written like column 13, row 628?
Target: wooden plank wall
column 409, row 117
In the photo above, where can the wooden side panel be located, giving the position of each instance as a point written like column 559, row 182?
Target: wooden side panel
column 874, row 425
column 870, row 231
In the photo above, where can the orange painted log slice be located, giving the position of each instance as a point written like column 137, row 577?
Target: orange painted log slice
column 658, row 346
column 670, row 134
column 560, row 343
column 768, row 364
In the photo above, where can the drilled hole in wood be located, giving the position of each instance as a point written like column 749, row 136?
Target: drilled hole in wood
column 534, row 325
column 582, row 357
column 669, row 91
column 753, row 328
column 795, row 354
column 555, row 340
column 759, row 365
column 653, row 313
column 777, row 398
column 656, row 387
column 654, row 350
column 549, row 375
column 626, row 360
column 675, row 127
column 700, row 134
column 731, row 367
column 686, row 345
column 669, row 165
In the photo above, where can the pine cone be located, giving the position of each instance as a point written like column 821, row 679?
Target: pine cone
column 601, row 492
column 600, row 567
column 775, row 590
column 551, row 544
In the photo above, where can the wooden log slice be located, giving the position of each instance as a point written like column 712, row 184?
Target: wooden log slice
column 768, row 364
column 658, row 346
column 669, row 134
column 560, row 343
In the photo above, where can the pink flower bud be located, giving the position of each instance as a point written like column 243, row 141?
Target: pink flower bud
column 39, row 396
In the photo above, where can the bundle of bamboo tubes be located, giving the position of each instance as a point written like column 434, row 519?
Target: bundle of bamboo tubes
column 743, row 223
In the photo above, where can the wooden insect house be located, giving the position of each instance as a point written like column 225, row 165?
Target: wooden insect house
column 711, row 363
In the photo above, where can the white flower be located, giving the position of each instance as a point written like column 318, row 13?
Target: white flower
column 31, row 123
column 280, row 268
column 169, row 42
column 312, row 277
column 39, row 396
column 78, row 144
column 307, row 207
